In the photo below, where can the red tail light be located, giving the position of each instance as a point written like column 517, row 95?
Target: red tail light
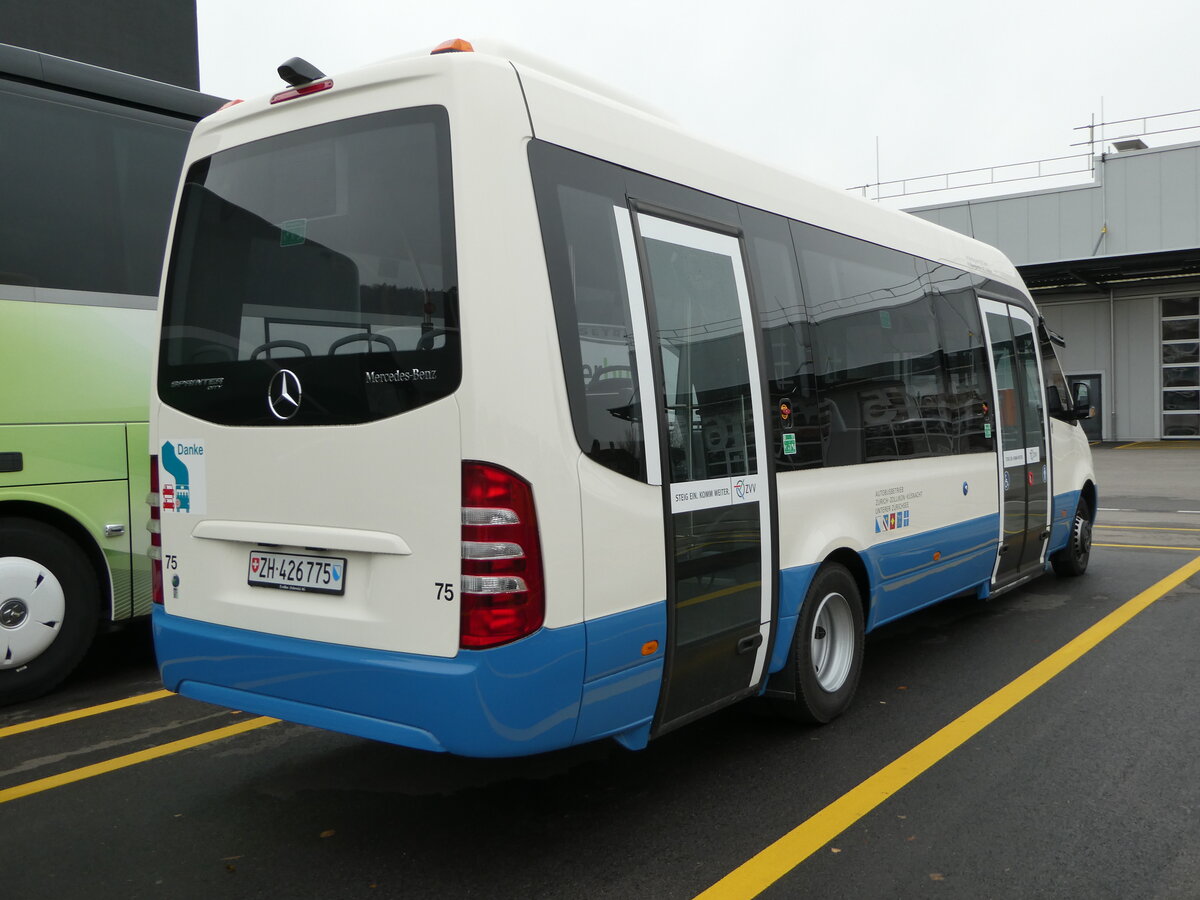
column 503, row 598
column 154, row 527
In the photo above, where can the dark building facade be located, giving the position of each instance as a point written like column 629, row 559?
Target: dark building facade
column 152, row 38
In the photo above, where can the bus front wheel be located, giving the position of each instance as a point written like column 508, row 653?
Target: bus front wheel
column 827, row 650
column 49, row 606
column 1073, row 559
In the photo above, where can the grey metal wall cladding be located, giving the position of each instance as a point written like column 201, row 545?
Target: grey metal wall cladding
column 1085, row 326
column 1137, row 406
column 1149, row 200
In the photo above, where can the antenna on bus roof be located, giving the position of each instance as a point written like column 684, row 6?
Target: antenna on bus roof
column 297, row 71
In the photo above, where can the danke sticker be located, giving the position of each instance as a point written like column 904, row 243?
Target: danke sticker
column 182, row 479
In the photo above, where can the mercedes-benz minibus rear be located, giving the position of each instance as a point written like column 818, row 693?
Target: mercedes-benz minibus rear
column 353, row 387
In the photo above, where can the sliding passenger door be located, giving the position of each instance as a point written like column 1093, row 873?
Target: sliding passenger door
column 698, row 357
column 1023, row 458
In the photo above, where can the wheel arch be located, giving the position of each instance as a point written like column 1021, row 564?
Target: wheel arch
column 853, row 562
column 1088, row 493
column 78, row 533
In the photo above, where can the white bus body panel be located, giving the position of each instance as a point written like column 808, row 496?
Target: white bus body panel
column 823, row 510
column 390, row 600
column 400, row 476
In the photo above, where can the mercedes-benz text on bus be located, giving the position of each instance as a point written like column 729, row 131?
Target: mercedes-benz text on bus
column 494, row 414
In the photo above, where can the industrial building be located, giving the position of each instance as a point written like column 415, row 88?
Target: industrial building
column 1115, row 267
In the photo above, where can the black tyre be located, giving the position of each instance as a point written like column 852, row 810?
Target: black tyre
column 827, row 650
column 49, row 605
column 1072, row 559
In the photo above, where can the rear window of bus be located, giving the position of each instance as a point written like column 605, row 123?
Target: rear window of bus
column 328, row 251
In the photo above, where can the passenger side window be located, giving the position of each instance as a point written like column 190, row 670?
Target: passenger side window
column 576, row 200
column 880, row 381
column 964, row 349
column 791, row 378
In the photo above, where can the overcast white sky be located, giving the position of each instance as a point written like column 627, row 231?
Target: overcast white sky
column 943, row 84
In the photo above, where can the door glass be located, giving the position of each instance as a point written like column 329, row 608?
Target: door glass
column 1037, row 465
column 713, row 449
column 1012, row 441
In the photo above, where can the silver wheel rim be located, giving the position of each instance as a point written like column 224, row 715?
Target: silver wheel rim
column 831, row 643
column 31, row 610
column 1083, row 536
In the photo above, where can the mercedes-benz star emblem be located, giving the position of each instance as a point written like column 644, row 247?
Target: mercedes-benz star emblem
column 283, row 394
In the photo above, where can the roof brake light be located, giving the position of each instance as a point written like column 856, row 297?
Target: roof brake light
column 303, row 91
column 454, row 45
column 304, row 78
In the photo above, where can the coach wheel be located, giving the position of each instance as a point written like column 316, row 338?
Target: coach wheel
column 49, row 605
column 828, row 647
column 1073, row 559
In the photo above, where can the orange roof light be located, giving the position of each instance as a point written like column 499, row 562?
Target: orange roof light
column 455, row 45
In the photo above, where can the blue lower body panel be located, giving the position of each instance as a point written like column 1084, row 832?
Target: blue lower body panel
column 530, row 696
column 910, row 573
column 506, row 701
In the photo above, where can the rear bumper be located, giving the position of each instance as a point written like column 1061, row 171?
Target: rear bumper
column 506, row 701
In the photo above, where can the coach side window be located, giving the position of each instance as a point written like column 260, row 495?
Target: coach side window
column 791, row 379
column 576, row 200
column 879, row 370
column 87, row 204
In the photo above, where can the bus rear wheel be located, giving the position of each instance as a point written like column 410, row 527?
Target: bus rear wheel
column 827, row 650
column 49, row 606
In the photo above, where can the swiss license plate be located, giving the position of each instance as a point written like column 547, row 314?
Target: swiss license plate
column 297, row 572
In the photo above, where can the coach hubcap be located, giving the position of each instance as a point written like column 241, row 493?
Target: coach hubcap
column 31, row 612
column 13, row 612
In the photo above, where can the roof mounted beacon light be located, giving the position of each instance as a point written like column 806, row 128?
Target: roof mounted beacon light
column 454, row 45
column 304, row 78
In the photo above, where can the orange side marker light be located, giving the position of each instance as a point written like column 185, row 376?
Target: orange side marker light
column 649, row 648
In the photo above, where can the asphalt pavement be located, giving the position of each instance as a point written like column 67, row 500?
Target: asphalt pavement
column 1087, row 785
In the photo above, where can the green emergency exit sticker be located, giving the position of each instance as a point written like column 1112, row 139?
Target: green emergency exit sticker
column 292, row 232
column 885, row 318
column 987, row 431
column 789, row 445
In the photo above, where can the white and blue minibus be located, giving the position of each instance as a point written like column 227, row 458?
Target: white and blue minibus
column 495, row 414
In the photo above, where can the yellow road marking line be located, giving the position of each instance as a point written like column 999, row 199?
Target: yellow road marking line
column 1144, row 547
column 131, row 759
column 1150, row 445
column 1143, row 528
column 756, row 875
column 83, row 713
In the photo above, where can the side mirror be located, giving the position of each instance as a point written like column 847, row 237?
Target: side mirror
column 1083, row 403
